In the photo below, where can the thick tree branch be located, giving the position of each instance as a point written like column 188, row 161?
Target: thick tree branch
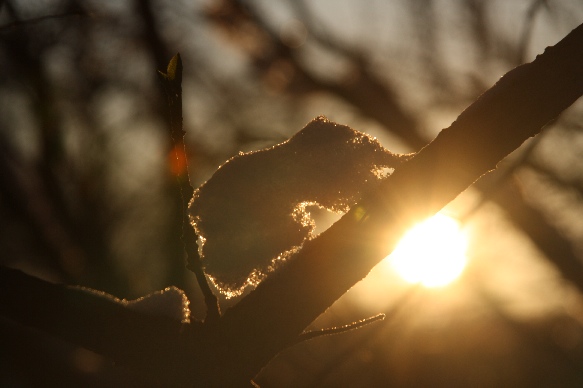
column 376, row 99
column 516, row 108
column 152, row 344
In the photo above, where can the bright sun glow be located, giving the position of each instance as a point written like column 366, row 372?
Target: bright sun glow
column 432, row 253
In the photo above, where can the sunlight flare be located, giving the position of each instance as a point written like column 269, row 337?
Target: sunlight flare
column 432, row 253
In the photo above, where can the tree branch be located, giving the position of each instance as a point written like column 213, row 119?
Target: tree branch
column 152, row 344
column 172, row 80
column 248, row 335
column 309, row 335
column 377, row 99
column 516, row 108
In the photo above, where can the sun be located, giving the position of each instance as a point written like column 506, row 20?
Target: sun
column 432, row 253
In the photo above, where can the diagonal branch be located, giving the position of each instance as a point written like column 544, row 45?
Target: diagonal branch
column 376, row 98
column 516, row 108
column 309, row 335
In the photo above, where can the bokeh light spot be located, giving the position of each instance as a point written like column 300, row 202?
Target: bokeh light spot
column 177, row 160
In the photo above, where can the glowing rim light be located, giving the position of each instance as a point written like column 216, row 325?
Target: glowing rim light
column 432, row 253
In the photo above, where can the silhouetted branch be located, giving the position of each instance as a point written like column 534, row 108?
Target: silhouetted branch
column 151, row 344
column 377, row 99
column 172, row 80
column 232, row 351
column 391, row 315
column 308, row 335
column 517, row 107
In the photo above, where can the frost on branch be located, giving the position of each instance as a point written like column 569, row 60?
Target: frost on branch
column 170, row 302
column 251, row 214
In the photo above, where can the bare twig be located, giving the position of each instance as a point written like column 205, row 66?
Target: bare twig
column 308, row 335
column 391, row 315
column 172, row 80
